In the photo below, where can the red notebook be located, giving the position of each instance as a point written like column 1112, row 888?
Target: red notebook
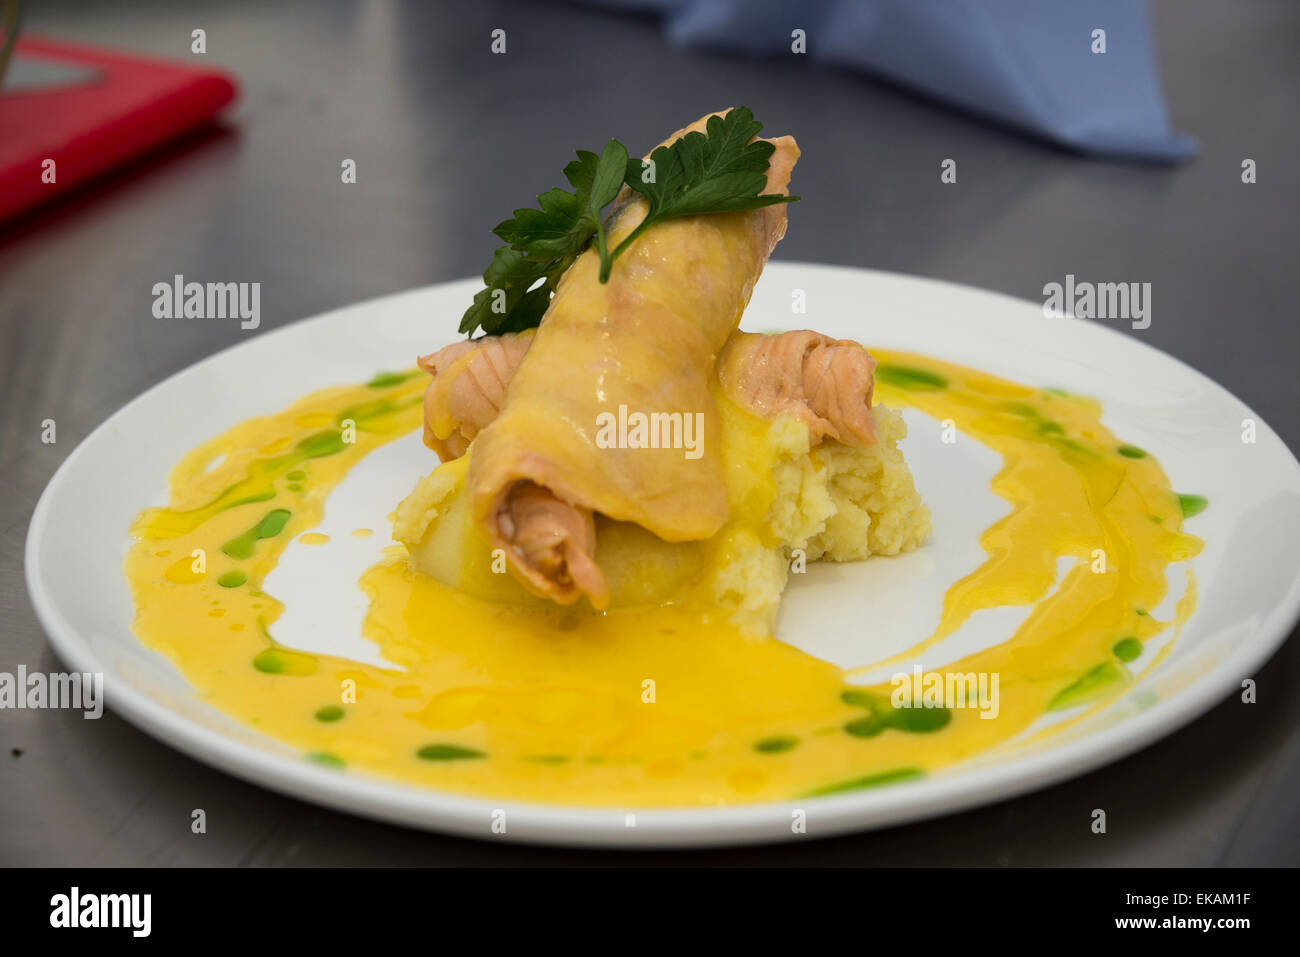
column 125, row 106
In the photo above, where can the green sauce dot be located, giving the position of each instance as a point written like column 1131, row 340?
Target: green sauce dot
column 1192, row 504
column 910, row 720
column 282, row 661
column 1128, row 649
column 232, row 579
column 294, row 487
column 1131, row 452
column 921, row 720
column 297, row 475
column 447, row 752
column 331, row 712
column 775, row 745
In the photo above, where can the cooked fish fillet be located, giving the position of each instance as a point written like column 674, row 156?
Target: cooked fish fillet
column 646, row 341
column 825, row 383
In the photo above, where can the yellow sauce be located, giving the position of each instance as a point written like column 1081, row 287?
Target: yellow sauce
column 658, row 706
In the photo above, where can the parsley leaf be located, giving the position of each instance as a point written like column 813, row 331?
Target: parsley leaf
column 721, row 172
column 542, row 243
column 566, row 221
column 714, row 172
column 508, row 302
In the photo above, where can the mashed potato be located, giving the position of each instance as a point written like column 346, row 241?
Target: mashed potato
column 790, row 504
column 832, row 503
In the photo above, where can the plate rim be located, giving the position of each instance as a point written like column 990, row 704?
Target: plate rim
column 465, row 815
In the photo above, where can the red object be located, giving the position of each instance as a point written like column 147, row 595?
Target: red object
column 133, row 105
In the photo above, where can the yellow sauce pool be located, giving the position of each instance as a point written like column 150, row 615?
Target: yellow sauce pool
column 660, row 706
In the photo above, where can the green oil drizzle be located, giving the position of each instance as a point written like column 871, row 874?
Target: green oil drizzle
column 871, row 781
column 1022, row 409
column 377, row 415
column 386, row 380
column 1041, row 424
column 271, row 525
column 920, row 720
column 257, row 487
column 1131, row 452
column 909, row 378
column 327, row 759
column 447, row 752
column 776, row 745
column 1087, row 687
column 1038, row 427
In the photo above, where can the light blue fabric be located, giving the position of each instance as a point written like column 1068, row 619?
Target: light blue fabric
column 1026, row 63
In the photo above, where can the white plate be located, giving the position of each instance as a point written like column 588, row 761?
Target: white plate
column 1249, row 592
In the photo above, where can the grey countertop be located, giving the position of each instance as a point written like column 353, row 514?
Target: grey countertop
column 446, row 138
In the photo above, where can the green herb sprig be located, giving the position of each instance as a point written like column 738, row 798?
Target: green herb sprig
column 719, row 171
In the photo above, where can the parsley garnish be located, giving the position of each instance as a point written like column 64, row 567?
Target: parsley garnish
column 720, row 171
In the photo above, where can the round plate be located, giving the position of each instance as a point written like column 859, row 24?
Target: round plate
column 1249, row 592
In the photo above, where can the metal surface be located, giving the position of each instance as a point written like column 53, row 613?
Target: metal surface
column 448, row 138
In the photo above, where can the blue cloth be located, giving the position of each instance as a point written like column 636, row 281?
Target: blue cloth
column 1026, row 63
